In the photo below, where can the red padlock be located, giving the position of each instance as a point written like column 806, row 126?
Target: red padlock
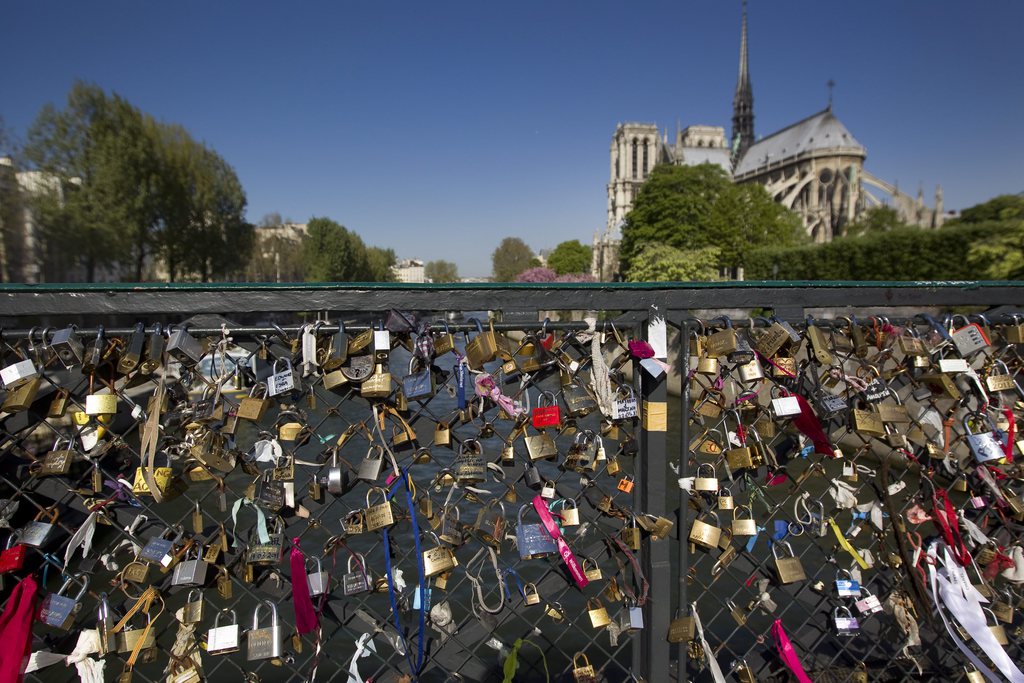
column 547, row 413
column 12, row 558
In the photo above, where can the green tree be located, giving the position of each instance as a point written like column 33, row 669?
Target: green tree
column 381, row 260
column 1005, row 207
column 570, row 257
column 11, row 210
column 441, row 271
column 512, row 257
column 691, row 207
column 334, row 254
column 275, row 257
column 876, row 219
column 661, row 263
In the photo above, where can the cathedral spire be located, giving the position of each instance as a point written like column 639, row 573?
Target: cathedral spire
column 743, row 100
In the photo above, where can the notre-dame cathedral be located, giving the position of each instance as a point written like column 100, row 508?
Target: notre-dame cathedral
column 814, row 167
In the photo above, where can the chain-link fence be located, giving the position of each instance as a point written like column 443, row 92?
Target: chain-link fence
column 462, row 450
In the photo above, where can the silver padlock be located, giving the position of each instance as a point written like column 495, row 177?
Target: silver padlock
column 268, row 642
column 548, row 490
column 283, row 380
column 983, row 445
column 221, row 640
column 370, row 467
column 184, row 348
column 355, row 581
column 68, row 347
column 58, row 610
column 634, row 616
column 335, row 477
column 845, row 623
column 191, row 571
column 16, row 374
column 38, row 533
column 319, row 581
column 381, row 345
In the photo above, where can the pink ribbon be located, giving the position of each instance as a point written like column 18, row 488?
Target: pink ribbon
column 787, row 654
column 486, row 386
column 563, row 548
column 16, row 625
column 305, row 616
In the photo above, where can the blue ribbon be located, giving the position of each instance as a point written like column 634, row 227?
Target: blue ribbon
column 508, row 571
column 419, row 566
column 937, row 326
column 753, row 539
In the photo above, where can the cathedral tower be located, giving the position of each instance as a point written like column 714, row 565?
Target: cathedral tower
column 743, row 100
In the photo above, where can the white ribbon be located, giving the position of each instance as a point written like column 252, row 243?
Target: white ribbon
column 716, row 671
column 599, row 380
column 309, row 364
column 82, row 537
column 41, row 660
column 967, row 611
column 364, row 646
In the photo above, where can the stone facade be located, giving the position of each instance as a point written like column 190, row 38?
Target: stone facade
column 814, row 167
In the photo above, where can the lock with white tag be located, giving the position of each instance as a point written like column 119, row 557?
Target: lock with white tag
column 983, row 445
column 57, row 609
column 283, row 379
column 222, row 640
column 868, row 605
column 968, row 339
column 625, row 405
column 160, row 550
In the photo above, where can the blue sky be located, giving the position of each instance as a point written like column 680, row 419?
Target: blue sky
column 440, row 128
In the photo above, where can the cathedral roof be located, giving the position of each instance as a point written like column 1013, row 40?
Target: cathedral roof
column 819, row 132
column 719, row 156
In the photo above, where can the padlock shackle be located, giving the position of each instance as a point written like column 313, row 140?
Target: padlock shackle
column 234, row 617
column 256, row 614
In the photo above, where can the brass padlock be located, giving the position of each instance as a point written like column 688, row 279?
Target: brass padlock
column 705, row 483
column 582, row 670
column 681, row 629
column 630, row 534
column 591, row 569
column 570, row 516
column 788, row 567
column 704, row 534
column 744, row 526
column 598, row 613
column 725, row 499
column 530, row 594
column 380, row 515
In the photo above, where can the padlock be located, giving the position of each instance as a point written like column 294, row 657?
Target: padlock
column 738, row 614
column 483, row 348
column 16, row 374
column 418, row 385
column 443, row 341
column 530, row 594
column 744, row 674
column 591, row 569
column 58, row 461
column 725, row 499
column 846, row 587
column 582, row 670
column 193, row 610
column 788, row 567
column 625, row 405
column 541, row 446
column 57, row 609
column 380, row 515
column 265, row 642
column 681, row 629
column 438, row 560
column 547, row 413
column 184, row 348
column 190, row 571
column 222, row 640
column 532, row 477
column 160, row 550
column 22, row 397
column 469, row 467
column 705, row 483
column 451, row 525
column 625, row 484
column 997, row 629
column 12, row 558
column 844, row 622
column 442, row 434
column 598, row 613
column 751, row 371
column 968, row 339
column 983, row 445
column 355, row 581
column 254, row 406
column 570, row 516
column 819, row 345
column 490, row 523
column 161, row 475
column 318, row 580
column 533, row 540
column 743, row 526
column 337, row 350
column 67, row 346
column 868, row 605
column 271, row 551
column 370, row 467
column 784, row 404
column 630, row 533
column 283, row 379
column 38, row 533
column 704, row 534
column 548, row 490
column 633, row 617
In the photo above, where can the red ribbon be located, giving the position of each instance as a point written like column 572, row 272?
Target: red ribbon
column 808, row 424
column 1011, row 433
column 306, row 620
column 944, row 516
column 787, row 654
column 563, row 548
column 997, row 565
column 16, row 625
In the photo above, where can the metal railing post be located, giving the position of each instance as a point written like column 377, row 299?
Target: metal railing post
column 654, row 647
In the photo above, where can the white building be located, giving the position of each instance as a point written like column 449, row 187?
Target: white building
column 409, row 270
